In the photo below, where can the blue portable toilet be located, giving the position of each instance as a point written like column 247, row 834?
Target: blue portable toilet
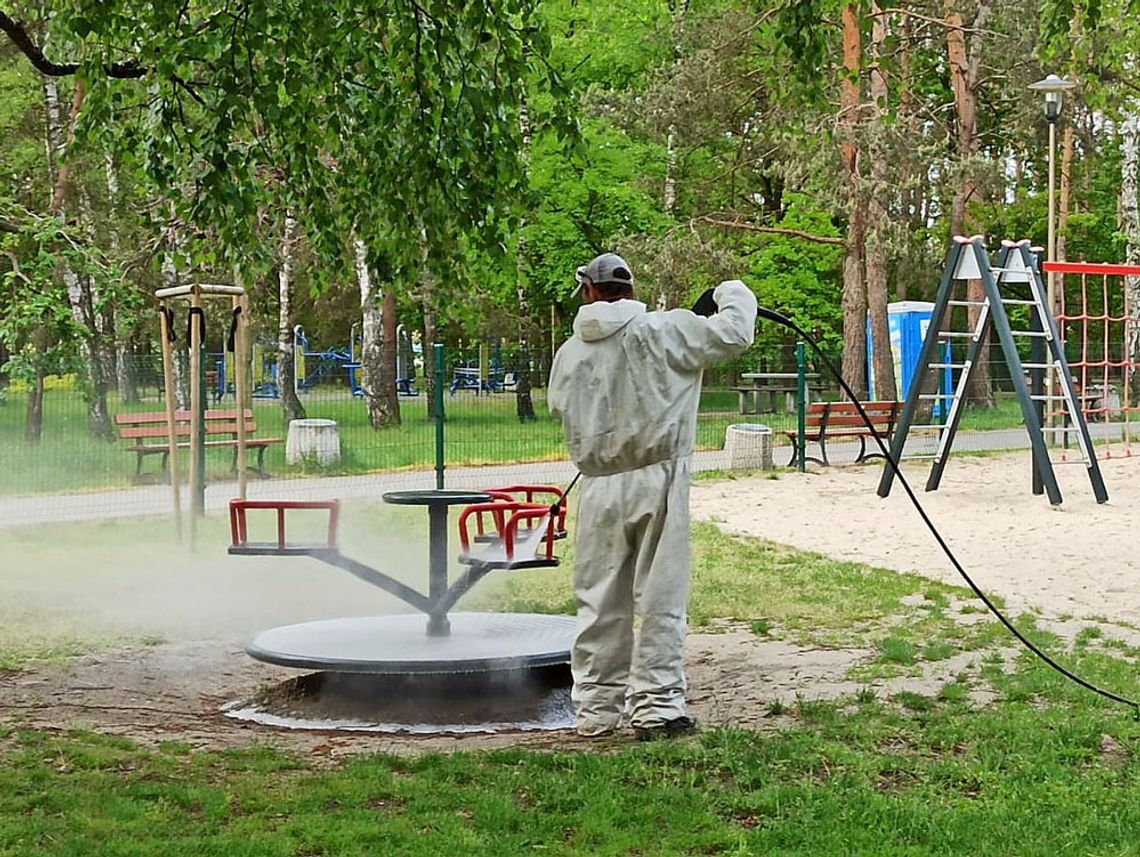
column 908, row 322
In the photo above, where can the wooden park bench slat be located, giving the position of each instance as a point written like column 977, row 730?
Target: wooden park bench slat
column 140, row 427
column 828, row 420
column 129, row 432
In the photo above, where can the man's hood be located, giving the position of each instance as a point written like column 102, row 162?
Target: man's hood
column 601, row 319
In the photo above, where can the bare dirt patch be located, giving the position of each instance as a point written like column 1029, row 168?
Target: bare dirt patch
column 178, row 692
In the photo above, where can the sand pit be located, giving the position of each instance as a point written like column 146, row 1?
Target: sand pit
column 1081, row 560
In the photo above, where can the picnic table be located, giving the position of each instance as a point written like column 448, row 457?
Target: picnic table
column 771, row 385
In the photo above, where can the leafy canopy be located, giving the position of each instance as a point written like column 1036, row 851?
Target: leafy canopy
column 394, row 118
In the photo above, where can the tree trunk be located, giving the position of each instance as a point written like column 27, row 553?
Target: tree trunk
column 965, row 70
column 854, row 290
column 524, row 404
column 371, row 341
column 876, row 237
column 427, row 299
column 1130, row 226
column 33, row 421
column 125, row 375
column 1064, row 201
column 391, row 356
column 80, row 295
column 180, row 358
column 677, row 11
column 286, row 366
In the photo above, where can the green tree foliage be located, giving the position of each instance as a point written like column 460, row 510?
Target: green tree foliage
column 395, row 116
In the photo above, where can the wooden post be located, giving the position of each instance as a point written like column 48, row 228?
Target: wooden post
column 171, row 419
column 197, row 500
column 241, row 359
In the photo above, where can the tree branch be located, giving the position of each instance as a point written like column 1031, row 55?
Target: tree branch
column 977, row 29
column 18, row 35
column 773, row 230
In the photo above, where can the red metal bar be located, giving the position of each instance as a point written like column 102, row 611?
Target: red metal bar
column 235, row 532
column 494, row 508
column 239, row 530
column 1092, row 268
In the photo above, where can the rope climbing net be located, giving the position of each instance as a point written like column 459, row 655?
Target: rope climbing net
column 1100, row 324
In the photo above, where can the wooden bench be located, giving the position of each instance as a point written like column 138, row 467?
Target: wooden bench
column 828, row 420
column 148, row 434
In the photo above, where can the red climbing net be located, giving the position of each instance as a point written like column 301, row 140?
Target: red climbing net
column 1100, row 326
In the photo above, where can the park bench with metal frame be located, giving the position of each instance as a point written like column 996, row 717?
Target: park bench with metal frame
column 830, row 420
column 149, row 435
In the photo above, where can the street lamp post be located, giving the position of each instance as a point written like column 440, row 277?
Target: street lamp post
column 1054, row 89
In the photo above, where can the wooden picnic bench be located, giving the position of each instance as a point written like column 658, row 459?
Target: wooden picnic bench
column 772, row 385
column 829, row 420
column 148, row 435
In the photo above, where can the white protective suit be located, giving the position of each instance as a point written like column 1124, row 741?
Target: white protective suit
column 626, row 387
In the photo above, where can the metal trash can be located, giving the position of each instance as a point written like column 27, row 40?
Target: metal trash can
column 748, row 446
column 313, row 440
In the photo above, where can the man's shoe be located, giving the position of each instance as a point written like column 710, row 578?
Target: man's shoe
column 594, row 731
column 669, row 729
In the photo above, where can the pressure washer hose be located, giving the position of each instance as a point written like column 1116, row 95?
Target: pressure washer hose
column 784, row 321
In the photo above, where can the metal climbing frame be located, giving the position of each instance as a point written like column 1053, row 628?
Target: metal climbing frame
column 968, row 260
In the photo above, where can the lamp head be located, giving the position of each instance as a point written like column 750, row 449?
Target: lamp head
column 1054, row 88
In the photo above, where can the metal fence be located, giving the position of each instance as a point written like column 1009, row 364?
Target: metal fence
column 71, row 473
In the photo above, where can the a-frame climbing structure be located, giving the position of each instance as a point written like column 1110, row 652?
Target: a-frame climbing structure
column 1017, row 264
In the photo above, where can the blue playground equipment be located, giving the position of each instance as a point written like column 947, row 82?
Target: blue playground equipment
column 312, row 367
column 317, row 367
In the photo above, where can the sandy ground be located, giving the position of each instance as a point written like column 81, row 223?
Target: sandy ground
column 1082, row 559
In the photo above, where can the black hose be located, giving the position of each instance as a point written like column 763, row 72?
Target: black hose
column 1107, row 694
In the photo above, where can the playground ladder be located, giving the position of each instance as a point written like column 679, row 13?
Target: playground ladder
column 968, row 260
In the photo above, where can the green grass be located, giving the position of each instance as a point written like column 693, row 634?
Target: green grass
column 1006, row 413
column 809, row 597
column 925, row 775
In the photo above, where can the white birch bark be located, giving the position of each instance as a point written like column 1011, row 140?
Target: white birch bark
column 372, row 338
column 1130, row 226
column 286, row 366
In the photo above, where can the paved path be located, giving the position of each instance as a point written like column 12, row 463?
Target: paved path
column 157, row 499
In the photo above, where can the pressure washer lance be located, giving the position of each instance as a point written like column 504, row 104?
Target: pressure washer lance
column 784, row 321
column 558, row 504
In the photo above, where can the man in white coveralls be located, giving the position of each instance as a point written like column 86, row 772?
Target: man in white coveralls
column 626, row 386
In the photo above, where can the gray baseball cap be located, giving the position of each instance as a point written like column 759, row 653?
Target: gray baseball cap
column 609, row 268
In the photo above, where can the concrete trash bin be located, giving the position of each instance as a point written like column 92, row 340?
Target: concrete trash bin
column 313, row 440
column 749, row 446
